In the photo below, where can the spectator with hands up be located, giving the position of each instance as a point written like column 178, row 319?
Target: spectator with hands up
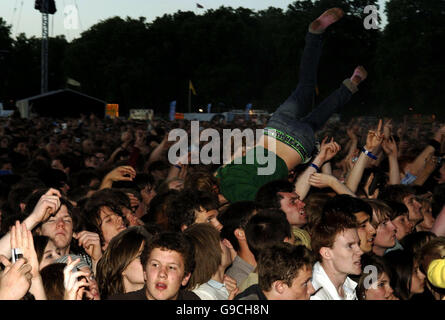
column 373, row 142
column 327, row 151
column 78, row 281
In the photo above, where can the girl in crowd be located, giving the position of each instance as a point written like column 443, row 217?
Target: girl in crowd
column 46, row 251
column 69, row 278
column 120, row 269
column 406, row 278
column 379, row 288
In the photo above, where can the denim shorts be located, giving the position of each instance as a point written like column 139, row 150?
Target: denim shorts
column 294, row 133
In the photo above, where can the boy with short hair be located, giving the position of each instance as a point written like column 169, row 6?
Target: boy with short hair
column 284, row 273
column 168, row 263
column 336, row 244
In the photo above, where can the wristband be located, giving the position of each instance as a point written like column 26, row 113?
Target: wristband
column 369, row 154
column 178, row 166
column 313, row 165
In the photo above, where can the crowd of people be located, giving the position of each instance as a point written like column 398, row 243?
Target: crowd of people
column 94, row 209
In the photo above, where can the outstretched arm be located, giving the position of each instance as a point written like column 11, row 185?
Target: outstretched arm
column 430, row 165
column 418, row 164
column 47, row 205
column 321, row 180
column 327, row 152
column 122, row 173
column 373, row 141
column 390, row 147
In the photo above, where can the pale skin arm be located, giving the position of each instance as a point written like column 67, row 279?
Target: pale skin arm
column 373, row 141
column 327, row 168
column 430, row 165
column 327, row 152
column 321, row 180
column 390, row 147
column 122, row 173
column 416, row 166
column 47, row 205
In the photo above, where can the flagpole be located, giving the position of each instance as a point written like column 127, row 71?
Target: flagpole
column 190, row 98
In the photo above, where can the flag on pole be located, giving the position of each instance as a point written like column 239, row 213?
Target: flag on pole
column 172, row 110
column 199, row 6
column 248, row 107
column 191, row 87
column 73, row 82
column 209, row 107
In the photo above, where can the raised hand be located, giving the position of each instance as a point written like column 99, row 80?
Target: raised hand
column 231, row 286
column 328, row 149
column 90, row 241
column 15, row 280
column 74, row 288
column 122, row 173
column 321, row 180
column 389, row 145
column 374, row 138
column 47, row 205
column 387, row 129
column 367, row 185
column 134, row 202
column 22, row 238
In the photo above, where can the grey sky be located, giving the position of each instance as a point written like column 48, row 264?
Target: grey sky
column 24, row 18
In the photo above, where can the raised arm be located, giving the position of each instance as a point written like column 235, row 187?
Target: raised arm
column 47, row 205
column 373, row 142
column 321, row 180
column 22, row 238
column 327, row 152
column 122, row 173
column 390, row 147
column 417, row 165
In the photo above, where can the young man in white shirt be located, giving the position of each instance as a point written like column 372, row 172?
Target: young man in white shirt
column 336, row 244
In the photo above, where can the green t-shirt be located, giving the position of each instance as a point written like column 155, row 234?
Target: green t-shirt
column 240, row 182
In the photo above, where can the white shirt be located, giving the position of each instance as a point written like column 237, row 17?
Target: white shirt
column 212, row 290
column 328, row 292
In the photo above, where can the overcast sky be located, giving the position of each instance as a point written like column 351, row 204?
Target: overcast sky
column 24, row 18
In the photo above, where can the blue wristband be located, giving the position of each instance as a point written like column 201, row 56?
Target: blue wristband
column 178, row 166
column 369, row 154
column 313, row 165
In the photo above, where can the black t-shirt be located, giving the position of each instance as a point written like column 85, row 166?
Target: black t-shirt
column 140, row 295
column 252, row 293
